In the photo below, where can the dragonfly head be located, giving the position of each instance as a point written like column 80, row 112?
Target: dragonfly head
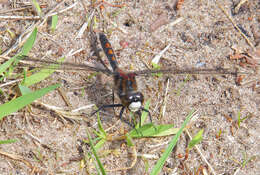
column 135, row 101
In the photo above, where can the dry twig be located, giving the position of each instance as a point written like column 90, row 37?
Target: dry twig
column 234, row 24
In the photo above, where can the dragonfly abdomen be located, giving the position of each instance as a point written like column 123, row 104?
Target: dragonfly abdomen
column 108, row 51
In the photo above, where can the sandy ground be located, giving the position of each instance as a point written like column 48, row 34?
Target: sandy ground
column 200, row 35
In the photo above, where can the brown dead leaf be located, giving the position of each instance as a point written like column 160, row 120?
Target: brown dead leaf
column 250, row 59
column 179, row 4
column 236, row 56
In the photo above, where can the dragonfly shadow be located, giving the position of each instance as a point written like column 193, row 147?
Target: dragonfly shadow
column 100, row 93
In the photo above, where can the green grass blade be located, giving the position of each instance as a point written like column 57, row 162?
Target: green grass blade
column 7, row 64
column 25, row 50
column 129, row 140
column 24, row 89
column 156, row 67
column 29, row 43
column 20, row 102
column 100, row 127
column 158, row 167
column 165, row 132
column 101, row 167
column 42, row 74
column 145, row 114
column 100, row 144
column 196, row 139
column 238, row 119
column 8, row 141
column 37, row 7
column 149, row 130
column 54, row 21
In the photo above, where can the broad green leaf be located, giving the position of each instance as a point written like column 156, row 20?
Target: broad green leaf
column 158, row 167
column 167, row 132
column 149, row 130
column 196, row 139
column 29, row 43
column 42, row 74
column 24, row 89
column 20, row 102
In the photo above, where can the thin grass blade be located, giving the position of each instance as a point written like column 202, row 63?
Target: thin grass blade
column 20, row 102
column 101, row 167
column 148, row 130
column 29, row 43
column 25, row 50
column 42, row 74
column 37, row 7
column 158, row 167
column 54, row 21
column 196, row 139
column 145, row 114
column 8, row 141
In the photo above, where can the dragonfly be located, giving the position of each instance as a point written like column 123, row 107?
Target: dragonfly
column 125, row 83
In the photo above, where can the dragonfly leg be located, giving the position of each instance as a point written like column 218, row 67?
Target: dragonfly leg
column 122, row 119
column 121, row 113
column 107, row 106
column 113, row 99
column 150, row 117
column 113, row 106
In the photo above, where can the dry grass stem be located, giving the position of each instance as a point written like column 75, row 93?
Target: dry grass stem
column 239, row 5
column 85, row 25
column 165, row 98
column 201, row 154
column 19, row 17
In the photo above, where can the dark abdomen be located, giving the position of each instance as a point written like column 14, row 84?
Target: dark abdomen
column 108, row 51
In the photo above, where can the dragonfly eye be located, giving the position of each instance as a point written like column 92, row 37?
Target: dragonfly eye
column 135, row 97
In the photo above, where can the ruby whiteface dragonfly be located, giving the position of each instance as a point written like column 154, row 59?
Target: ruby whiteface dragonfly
column 124, row 81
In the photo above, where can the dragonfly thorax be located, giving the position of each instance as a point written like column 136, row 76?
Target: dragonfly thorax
column 135, row 101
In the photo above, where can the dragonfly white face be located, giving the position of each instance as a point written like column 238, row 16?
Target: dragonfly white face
column 135, row 100
column 135, row 106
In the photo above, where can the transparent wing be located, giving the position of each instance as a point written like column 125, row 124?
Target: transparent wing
column 148, row 72
column 37, row 63
column 176, row 71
